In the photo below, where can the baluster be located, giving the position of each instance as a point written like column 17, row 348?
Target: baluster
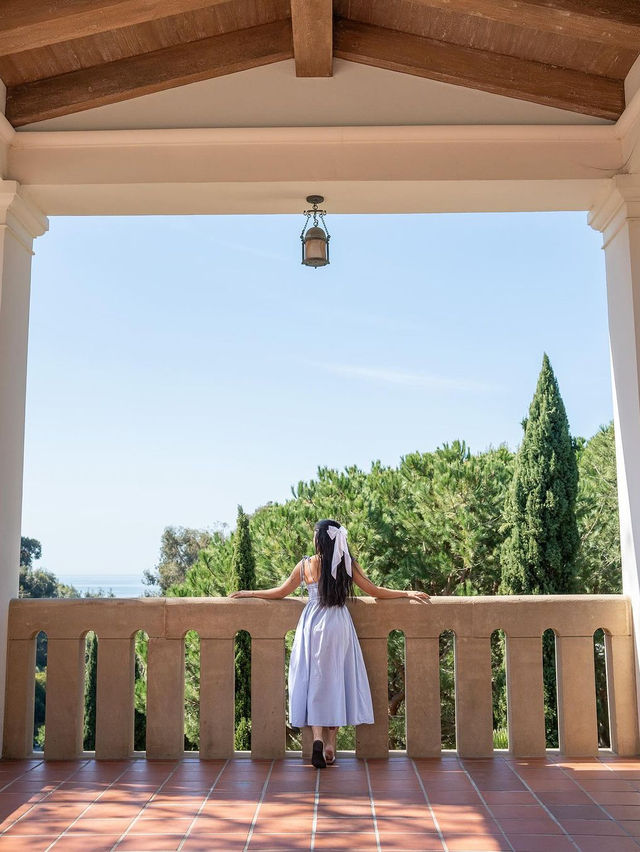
column 307, row 742
column 19, row 700
column 621, row 688
column 115, row 698
column 65, row 698
column 474, row 704
column 373, row 740
column 165, row 698
column 577, row 717
column 217, row 698
column 525, row 696
column 422, row 689
column 267, row 698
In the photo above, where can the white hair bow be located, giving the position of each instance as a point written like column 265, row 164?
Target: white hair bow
column 340, row 549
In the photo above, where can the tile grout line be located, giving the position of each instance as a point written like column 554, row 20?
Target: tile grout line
column 542, row 804
column 602, row 807
column 605, row 763
column 314, row 821
column 19, row 777
column 146, row 804
column 40, row 801
column 373, row 807
column 199, row 811
column 73, row 822
column 484, row 801
column 429, row 805
column 257, row 810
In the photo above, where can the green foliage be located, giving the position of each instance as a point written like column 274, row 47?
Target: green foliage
column 179, row 549
column 500, row 738
column 243, row 576
column 499, row 680
column 549, row 688
column 30, row 549
column 602, row 704
column 346, row 739
column 434, row 523
column 599, row 561
column 40, row 705
column 396, row 689
column 192, row 691
column 90, row 689
column 38, row 583
column 539, row 555
column 242, row 737
column 447, row 689
column 140, row 692
column 243, row 564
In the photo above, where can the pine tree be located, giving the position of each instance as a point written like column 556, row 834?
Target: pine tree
column 539, row 553
column 243, row 577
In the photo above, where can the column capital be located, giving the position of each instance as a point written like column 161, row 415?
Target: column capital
column 19, row 214
column 618, row 204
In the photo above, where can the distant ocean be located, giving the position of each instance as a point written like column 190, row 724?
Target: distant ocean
column 122, row 587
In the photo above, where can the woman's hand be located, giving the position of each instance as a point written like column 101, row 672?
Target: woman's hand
column 418, row 596
column 244, row 593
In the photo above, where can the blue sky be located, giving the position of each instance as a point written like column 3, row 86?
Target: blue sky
column 179, row 366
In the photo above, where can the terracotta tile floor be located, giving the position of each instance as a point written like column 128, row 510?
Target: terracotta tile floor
column 547, row 805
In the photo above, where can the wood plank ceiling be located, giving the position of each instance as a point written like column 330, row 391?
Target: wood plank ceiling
column 64, row 56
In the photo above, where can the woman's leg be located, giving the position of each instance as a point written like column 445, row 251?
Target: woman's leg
column 330, row 743
column 317, row 732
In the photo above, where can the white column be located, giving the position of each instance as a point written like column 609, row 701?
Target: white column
column 618, row 218
column 20, row 223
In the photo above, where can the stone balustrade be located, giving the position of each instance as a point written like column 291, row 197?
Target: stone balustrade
column 574, row 619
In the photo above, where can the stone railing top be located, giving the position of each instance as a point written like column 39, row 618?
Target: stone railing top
column 171, row 618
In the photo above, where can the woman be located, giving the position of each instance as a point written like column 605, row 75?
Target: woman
column 328, row 685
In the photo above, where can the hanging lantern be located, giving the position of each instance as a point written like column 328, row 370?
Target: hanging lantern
column 315, row 239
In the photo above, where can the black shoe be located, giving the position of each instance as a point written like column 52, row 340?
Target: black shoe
column 317, row 755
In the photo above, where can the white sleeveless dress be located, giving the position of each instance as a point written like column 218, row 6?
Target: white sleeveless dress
column 328, row 682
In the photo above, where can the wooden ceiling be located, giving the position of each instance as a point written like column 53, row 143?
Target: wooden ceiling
column 63, row 56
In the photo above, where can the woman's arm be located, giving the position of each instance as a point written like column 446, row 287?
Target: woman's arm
column 289, row 585
column 370, row 588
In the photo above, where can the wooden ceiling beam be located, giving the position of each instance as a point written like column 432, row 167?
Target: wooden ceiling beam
column 29, row 24
column 312, row 22
column 612, row 22
column 149, row 72
column 524, row 79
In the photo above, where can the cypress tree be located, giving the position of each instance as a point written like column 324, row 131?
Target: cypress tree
column 91, row 685
column 243, row 577
column 539, row 553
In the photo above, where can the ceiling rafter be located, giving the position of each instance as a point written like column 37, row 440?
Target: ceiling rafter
column 149, row 72
column 610, row 22
column 312, row 22
column 30, row 24
column 479, row 69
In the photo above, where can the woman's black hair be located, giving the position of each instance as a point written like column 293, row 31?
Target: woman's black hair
column 331, row 592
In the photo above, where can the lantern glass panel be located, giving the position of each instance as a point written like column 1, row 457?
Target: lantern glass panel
column 315, row 251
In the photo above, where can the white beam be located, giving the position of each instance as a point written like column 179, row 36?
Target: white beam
column 358, row 169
